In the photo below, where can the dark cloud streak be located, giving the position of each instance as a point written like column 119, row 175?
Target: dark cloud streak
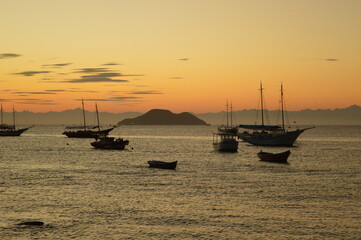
column 331, row 59
column 31, row 73
column 90, row 79
column 56, row 65
column 144, row 92
column 9, row 55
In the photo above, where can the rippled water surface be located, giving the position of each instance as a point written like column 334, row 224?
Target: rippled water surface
column 83, row 193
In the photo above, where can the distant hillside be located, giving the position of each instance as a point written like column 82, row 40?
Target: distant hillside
column 163, row 117
column 68, row 117
column 343, row 116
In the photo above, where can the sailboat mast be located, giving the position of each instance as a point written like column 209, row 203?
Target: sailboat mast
column 96, row 109
column 261, row 90
column 227, row 111
column 82, row 103
column 14, row 117
column 2, row 114
column 282, row 108
column 231, row 115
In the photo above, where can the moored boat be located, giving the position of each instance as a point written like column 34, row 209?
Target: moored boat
column 274, row 157
column 86, row 131
column 163, row 165
column 269, row 135
column 10, row 130
column 110, row 143
column 225, row 140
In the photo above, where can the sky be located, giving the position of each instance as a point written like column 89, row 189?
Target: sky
column 181, row 55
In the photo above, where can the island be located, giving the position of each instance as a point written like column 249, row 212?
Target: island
column 163, row 117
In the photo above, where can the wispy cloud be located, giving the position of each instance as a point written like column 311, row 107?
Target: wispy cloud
column 125, row 98
column 31, row 73
column 9, row 55
column 103, row 75
column 331, row 59
column 90, row 79
column 113, row 99
column 55, row 90
column 183, row 59
column 56, row 65
column 92, row 70
column 113, row 74
column 144, row 92
column 34, row 101
column 110, row 64
column 176, row 78
column 34, row 93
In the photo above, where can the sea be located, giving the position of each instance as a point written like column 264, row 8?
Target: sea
column 84, row 193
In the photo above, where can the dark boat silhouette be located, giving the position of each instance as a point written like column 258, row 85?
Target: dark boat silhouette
column 270, row 135
column 225, row 140
column 274, row 157
column 161, row 164
column 110, row 143
column 10, row 130
column 86, row 131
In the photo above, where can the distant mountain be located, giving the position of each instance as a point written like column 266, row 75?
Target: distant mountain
column 343, row 116
column 339, row 116
column 163, row 117
column 68, row 117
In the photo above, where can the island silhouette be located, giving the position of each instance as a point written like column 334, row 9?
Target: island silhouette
column 163, row 117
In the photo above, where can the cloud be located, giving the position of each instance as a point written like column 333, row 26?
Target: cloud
column 90, row 79
column 34, row 93
column 35, row 101
column 110, row 64
column 101, row 77
column 176, row 78
column 56, row 65
column 55, row 90
column 183, row 59
column 331, row 59
column 92, row 70
column 31, row 73
column 125, row 98
column 9, row 55
column 145, row 92
column 112, row 99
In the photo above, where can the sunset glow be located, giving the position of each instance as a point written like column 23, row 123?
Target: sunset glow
column 179, row 55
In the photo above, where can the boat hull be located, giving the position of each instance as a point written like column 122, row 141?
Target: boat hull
column 285, row 139
column 12, row 133
column 87, row 133
column 115, row 145
column 163, row 165
column 274, row 157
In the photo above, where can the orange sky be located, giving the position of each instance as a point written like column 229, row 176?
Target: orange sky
column 135, row 55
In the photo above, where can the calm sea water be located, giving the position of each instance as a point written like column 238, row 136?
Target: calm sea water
column 83, row 193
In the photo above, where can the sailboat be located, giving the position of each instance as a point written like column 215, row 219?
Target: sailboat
column 270, row 135
column 10, row 130
column 225, row 140
column 86, row 131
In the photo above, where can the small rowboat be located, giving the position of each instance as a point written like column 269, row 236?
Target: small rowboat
column 274, row 157
column 161, row 164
